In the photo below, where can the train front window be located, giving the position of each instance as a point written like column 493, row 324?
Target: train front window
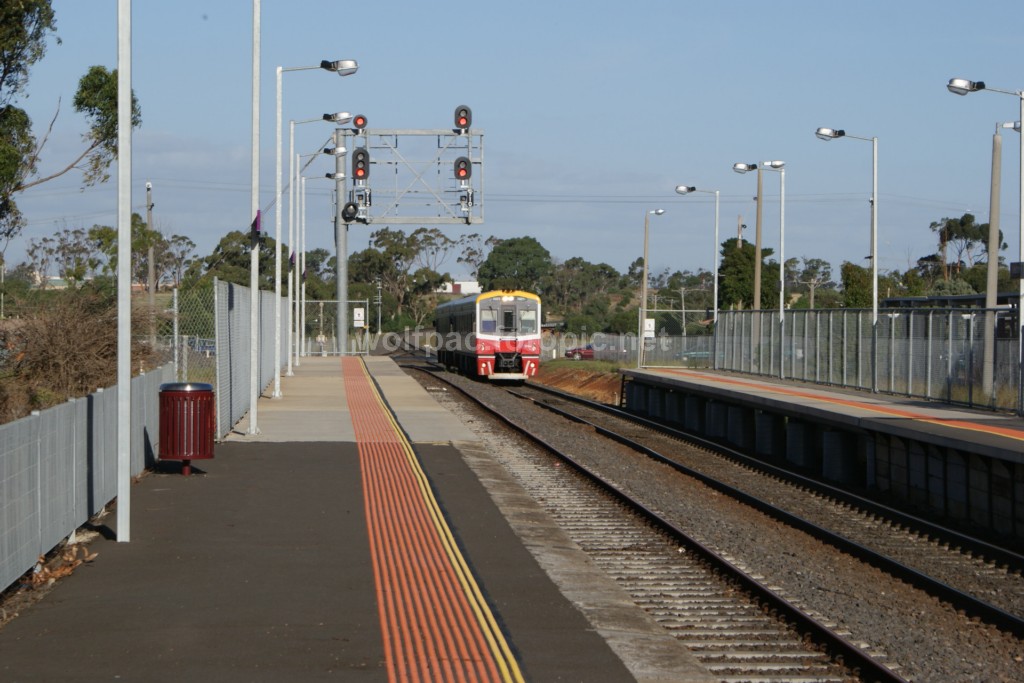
column 508, row 319
column 528, row 321
column 488, row 320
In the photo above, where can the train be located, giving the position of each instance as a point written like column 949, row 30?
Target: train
column 494, row 335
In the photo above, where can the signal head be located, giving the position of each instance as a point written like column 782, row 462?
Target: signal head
column 463, row 117
column 359, row 122
column 463, row 168
column 361, row 164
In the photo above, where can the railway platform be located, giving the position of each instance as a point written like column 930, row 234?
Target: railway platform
column 952, row 462
column 360, row 535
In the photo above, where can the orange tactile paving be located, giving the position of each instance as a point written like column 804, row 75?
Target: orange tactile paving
column 956, row 423
column 435, row 623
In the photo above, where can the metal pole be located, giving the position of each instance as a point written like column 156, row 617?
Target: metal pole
column 782, row 272
column 277, row 241
column 715, row 261
column 782, row 242
column 1020, row 283
column 643, row 300
column 174, row 335
column 292, row 266
column 124, row 261
column 992, row 273
column 254, row 252
column 151, row 267
column 341, row 237
column 302, row 270
column 874, row 264
column 874, row 231
column 757, row 249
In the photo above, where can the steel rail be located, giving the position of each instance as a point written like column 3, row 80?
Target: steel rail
column 841, row 649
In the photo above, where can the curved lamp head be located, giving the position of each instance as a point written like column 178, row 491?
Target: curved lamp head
column 774, row 164
column 335, row 176
column 657, row 212
column 335, row 151
column 338, row 117
column 685, row 189
column 962, row 86
column 342, row 67
column 743, row 168
column 829, row 133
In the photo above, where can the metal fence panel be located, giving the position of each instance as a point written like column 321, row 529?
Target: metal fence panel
column 59, row 466
column 929, row 353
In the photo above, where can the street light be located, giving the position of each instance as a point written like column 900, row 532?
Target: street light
column 779, row 166
column 962, row 86
column 745, row 168
column 299, row 236
column 342, row 67
column 643, row 291
column 684, row 190
column 293, row 173
column 832, row 134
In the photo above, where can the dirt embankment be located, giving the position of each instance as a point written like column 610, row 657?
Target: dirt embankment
column 597, row 386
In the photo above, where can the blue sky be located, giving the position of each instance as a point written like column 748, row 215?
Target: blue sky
column 592, row 113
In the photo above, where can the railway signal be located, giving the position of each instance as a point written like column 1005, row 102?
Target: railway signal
column 349, row 212
column 359, row 121
column 463, row 168
column 463, row 117
column 361, row 164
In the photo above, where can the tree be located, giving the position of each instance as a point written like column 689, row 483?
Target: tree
column 25, row 27
column 178, row 255
column 432, row 247
column 518, row 263
column 961, row 239
column 856, row 286
column 815, row 273
column 230, row 261
column 475, row 251
column 736, row 276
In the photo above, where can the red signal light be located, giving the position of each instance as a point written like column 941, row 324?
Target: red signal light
column 463, row 117
column 361, row 164
column 463, row 168
column 359, row 121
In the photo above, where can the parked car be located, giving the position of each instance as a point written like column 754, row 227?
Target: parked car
column 581, row 353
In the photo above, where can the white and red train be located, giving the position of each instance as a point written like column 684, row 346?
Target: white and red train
column 494, row 335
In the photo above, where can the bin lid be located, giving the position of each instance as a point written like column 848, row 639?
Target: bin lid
column 186, row 386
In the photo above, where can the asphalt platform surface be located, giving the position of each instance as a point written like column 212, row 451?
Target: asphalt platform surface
column 258, row 566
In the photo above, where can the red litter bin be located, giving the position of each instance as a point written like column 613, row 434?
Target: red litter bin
column 187, row 423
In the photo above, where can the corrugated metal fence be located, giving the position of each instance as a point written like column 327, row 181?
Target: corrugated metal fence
column 58, row 467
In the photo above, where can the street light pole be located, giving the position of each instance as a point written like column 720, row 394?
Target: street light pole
column 343, row 67
column 254, row 251
column 684, row 189
column 831, row 134
column 643, row 292
column 962, row 86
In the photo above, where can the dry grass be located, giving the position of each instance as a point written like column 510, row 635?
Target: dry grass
column 66, row 348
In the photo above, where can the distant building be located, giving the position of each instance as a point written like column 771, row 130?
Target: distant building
column 465, row 287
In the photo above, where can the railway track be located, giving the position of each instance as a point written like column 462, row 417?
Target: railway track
column 737, row 625
column 983, row 580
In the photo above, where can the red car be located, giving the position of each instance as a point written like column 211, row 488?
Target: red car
column 581, row 353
